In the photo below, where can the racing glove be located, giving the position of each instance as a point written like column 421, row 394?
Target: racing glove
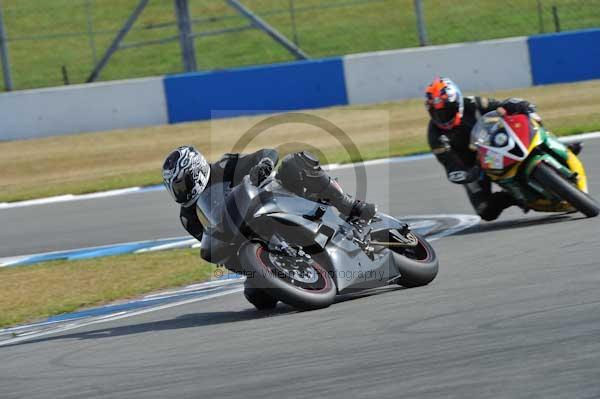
column 518, row 106
column 363, row 210
column 514, row 106
column 465, row 176
column 261, row 171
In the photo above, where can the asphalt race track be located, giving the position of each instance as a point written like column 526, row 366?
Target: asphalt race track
column 513, row 313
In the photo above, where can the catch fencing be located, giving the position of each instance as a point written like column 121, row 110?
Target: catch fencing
column 49, row 43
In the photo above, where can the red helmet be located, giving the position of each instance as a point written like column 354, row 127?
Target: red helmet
column 444, row 102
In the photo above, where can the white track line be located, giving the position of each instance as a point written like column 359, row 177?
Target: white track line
column 134, row 190
column 185, row 242
column 72, row 197
column 115, row 317
column 580, row 137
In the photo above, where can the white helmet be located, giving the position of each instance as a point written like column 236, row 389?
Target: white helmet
column 186, row 173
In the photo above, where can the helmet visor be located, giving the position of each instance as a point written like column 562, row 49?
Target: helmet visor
column 444, row 116
column 182, row 188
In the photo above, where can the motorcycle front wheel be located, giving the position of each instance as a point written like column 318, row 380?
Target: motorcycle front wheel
column 556, row 183
column 299, row 282
column 418, row 265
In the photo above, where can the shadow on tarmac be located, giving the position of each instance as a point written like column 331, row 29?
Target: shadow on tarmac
column 196, row 320
column 180, row 322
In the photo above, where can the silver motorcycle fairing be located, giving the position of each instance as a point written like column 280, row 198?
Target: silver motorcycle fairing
column 253, row 213
column 353, row 269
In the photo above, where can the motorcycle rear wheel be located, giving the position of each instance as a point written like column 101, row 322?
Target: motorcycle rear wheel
column 550, row 179
column 273, row 274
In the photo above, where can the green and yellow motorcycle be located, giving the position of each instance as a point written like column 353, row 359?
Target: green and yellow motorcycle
column 531, row 164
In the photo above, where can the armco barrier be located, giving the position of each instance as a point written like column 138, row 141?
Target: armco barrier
column 289, row 86
column 399, row 74
column 565, row 57
column 82, row 108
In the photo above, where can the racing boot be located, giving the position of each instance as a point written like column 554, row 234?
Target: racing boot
column 575, row 147
column 497, row 202
column 346, row 205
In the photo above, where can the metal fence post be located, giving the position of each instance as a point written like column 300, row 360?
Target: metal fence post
column 90, row 29
column 293, row 20
column 186, row 38
column 421, row 28
column 540, row 11
column 8, row 84
column 114, row 46
column 556, row 18
column 269, row 30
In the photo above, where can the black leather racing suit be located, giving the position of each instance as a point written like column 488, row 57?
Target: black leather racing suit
column 451, row 148
column 299, row 172
column 230, row 168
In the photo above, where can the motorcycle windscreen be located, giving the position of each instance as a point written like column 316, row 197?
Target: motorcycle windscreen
column 210, row 205
column 481, row 141
column 484, row 128
column 501, row 142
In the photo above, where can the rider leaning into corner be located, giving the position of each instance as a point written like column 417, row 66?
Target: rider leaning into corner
column 187, row 173
column 452, row 119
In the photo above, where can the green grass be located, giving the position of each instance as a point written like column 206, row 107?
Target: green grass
column 51, row 288
column 357, row 26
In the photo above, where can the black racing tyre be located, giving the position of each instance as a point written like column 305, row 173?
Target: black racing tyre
column 550, row 179
column 306, row 286
column 418, row 265
column 259, row 298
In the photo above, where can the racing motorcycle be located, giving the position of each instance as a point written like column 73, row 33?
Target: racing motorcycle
column 531, row 164
column 302, row 252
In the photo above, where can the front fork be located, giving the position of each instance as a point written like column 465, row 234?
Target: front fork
column 573, row 171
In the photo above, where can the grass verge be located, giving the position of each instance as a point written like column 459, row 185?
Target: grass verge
column 95, row 162
column 47, row 289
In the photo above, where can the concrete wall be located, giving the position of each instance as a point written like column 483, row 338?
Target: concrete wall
column 400, row 74
column 82, row 108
